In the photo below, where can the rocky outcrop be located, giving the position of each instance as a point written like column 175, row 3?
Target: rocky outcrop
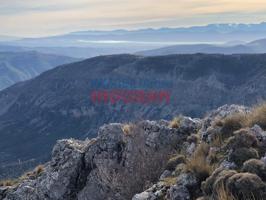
column 121, row 161
column 154, row 160
column 223, row 168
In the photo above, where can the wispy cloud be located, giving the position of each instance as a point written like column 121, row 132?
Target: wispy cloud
column 34, row 18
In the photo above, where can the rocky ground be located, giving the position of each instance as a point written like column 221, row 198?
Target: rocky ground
column 219, row 157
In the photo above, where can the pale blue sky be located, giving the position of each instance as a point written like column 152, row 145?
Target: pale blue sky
column 50, row 17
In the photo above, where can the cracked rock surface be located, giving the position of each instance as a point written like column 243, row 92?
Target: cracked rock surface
column 116, row 165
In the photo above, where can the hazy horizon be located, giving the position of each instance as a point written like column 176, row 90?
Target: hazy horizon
column 128, row 29
column 36, row 19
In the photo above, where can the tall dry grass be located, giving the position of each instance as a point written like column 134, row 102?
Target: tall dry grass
column 198, row 164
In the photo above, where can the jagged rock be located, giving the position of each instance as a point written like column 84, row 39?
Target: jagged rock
column 188, row 180
column 258, row 132
column 61, row 177
column 114, row 166
column 261, row 137
column 190, row 125
column 165, row 174
column 242, row 145
column 227, row 110
column 156, row 192
column 125, row 160
column 228, row 165
column 263, row 159
column 144, row 196
column 3, row 191
column 179, row 193
column 189, row 148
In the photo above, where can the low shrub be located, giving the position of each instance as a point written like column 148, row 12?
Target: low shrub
column 246, row 186
column 255, row 166
column 231, row 124
column 239, row 156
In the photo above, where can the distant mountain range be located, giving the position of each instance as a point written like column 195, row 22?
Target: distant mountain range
column 57, row 104
column 74, row 52
column 213, row 38
column 21, row 66
column 258, row 46
column 212, row 33
column 232, row 47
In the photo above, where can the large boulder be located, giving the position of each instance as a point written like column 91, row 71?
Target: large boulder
column 61, row 178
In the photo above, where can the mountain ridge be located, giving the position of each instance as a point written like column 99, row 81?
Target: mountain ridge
column 57, row 104
column 20, row 66
column 207, row 34
column 254, row 47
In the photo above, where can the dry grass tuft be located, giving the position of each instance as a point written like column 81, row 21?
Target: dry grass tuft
column 233, row 123
column 217, row 141
column 241, row 120
column 8, row 183
column 39, row 169
column 198, row 163
column 169, row 181
column 223, row 194
column 128, row 129
column 257, row 116
column 175, row 123
column 33, row 174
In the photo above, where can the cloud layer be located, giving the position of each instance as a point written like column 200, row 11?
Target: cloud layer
column 36, row 18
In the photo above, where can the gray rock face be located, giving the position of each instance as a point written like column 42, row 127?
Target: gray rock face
column 141, row 161
column 115, row 166
column 157, row 191
column 144, row 196
column 179, row 193
column 61, row 177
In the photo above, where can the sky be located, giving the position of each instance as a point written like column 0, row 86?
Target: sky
column 35, row 18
